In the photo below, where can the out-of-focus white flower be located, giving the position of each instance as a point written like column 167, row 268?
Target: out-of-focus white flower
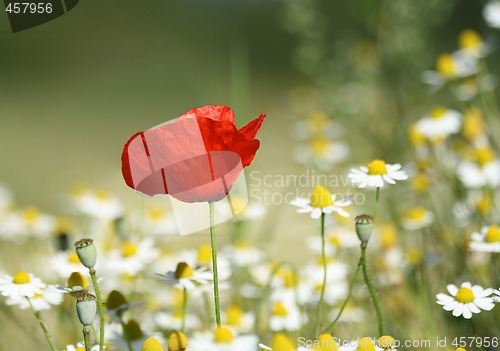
column 135, row 333
column 64, row 263
column 362, row 344
column 35, row 223
column 491, row 13
column 472, row 45
column 242, row 254
column 321, row 152
column 21, row 285
column 185, row 277
column 279, row 342
column 449, row 67
column 338, row 238
column 317, row 124
column 11, row 226
column 98, row 204
column 49, row 297
column 417, row 218
column 322, row 202
column 80, row 347
column 488, row 240
column 483, row 170
column 173, row 321
column 466, row 300
column 5, row 198
column 376, row 173
column 132, row 257
column 235, row 318
column 223, row 339
column 285, row 317
column 439, row 124
column 238, row 208
column 157, row 220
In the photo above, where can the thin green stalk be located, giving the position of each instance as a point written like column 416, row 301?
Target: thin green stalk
column 100, row 308
column 42, row 325
column 371, row 290
column 86, row 338
column 375, row 208
column 472, row 328
column 214, row 263
column 329, row 329
column 184, row 309
column 125, row 334
column 323, row 287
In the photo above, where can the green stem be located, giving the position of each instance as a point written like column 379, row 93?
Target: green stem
column 375, row 208
column 472, row 328
column 371, row 290
column 42, row 325
column 323, row 287
column 184, row 309
column 214, row 263
column 100, row 308
column 86, row 338
column 329, row 329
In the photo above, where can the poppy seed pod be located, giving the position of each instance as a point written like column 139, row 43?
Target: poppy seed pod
column 86, row 308
column 87, row 253
column 364, row 227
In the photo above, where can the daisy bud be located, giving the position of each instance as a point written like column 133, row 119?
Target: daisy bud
column 116, row 301
column 151, row 344
column 177, row 342
column 133, row 330
column 87, row 253
column 364, row 227
column 86, row 308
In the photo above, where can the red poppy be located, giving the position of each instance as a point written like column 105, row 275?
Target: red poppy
column 195, row 158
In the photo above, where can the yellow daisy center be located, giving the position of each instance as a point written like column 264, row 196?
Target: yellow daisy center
column 445, row 65
column 156, row 213
column 288, row 278
column 151, row 344
column 416, row 137
column 417, row 213
column 469, row 39
column 234, row 316
column 80, row 349
column 460, row 349
column 438, row 112
column 317, row 122
column 177, row 342
column 73, row 258
column 102, row 195
column 129, row 249
column 366, row 344
column 334, row 240
column 389, row 236
column 484, row 205
column 386, row 341
column 473, row 126
column 321, row 197
column 419, row 182
column 414, row 257
column 223, row 335
column 377, row 167
column 242, row 245
column 484, row 156
column 183, row 271
column 204, row 257
column 327, row 343
column 279, row 309
column 319, row 145
column 237, row 204
column 282, row 343
column 464, row 295
column 31, row 214
column 21, row 278
column 77, row 279
column 493, row 234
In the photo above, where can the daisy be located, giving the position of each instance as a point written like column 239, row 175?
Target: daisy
column 98, row 204
column 417, row 218
column 11, row 226
column 173, row 321
column 80, row 347
column 21, row 285
column 317, row 124
column 186, row 277
column 363, row 344
column 483, row 169
column 497, row 297
column 64, row 263
column 157, row 220
column 474, row 127
column 321, row 152
column 338, row 238
column 439, row 124
column 49, row 297
column 471, row 44
column 234, row 317
column 239, row 209
column 491, row 14
column 486, row 241
column 132, row 257
column 466, row 300
column 76, row 284
column 376, row 173
column 223, row 339
column 5, row 198
column 135, row 333
column 242, row 254
column 35, row 223
column 448, row 67
column 321, row 201
column 280, row 342
column 285, row 317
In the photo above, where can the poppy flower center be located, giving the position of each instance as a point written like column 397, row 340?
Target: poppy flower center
column 183, row 271
column 279, row 309
column 445, row 65
column 204, row 257
column 77, row 279
column 465, row 295
column 377, row 167
column 129, row 249
column 438, row 112
column 282, row 343
column 484, row 156
column 151, row 344
column 21, row 278
column 418, row 213
column 234, row 316
column 493, row 234
column 223, row 335
column 321, row 197
column 73, row 258
column 366, row 344
column 177, row 342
